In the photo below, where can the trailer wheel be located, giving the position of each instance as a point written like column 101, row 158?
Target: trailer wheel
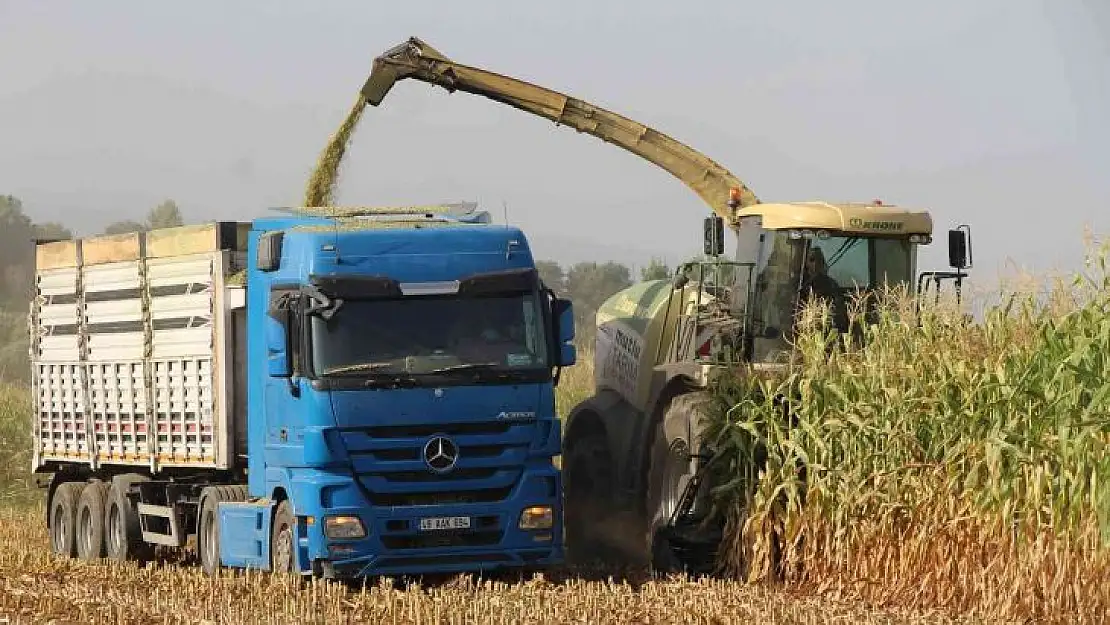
column 63, row 519
column 123, row 535
column 90, row 521
column 282, row 540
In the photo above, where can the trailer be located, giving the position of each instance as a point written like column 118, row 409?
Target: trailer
column 331, row 392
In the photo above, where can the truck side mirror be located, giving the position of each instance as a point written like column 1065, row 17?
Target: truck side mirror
column 563, row 312
column 958, row 248
column 714, row 243
column 269, row 250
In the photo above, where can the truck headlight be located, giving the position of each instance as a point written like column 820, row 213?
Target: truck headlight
column 536, row 518
column 344, row 527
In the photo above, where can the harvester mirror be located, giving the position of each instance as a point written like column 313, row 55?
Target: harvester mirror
column 714, row 236
column 957, row 249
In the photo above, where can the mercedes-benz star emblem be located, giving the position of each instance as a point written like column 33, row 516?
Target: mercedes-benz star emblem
column 440, row 454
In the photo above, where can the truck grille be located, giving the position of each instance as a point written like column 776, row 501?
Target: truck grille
column 389, row 462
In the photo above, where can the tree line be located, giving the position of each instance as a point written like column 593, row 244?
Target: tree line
column 588, row 284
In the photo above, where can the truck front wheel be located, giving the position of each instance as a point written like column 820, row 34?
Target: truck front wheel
column 282, row 540
column 63, row 518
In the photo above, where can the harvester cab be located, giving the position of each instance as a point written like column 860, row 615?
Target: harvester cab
column 745, row 309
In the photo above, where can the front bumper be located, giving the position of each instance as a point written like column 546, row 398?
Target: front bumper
column 395, row 544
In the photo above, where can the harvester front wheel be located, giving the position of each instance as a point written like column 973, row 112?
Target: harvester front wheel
column 672, row 464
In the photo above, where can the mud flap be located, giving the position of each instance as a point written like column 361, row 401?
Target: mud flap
column 245, row 534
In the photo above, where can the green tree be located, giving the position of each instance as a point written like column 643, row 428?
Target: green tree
column 52, row 230
column 17, row 235
column 124, row 227
column 655, row 270
column 165, row 215
column 17, row 261
column 552, row 275
column 588, row 285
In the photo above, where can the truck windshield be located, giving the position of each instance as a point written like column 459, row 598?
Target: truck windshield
column 438, row 335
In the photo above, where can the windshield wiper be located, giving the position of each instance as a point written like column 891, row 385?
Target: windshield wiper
column 358, row 366
column 487, row 370
column 466, row 366
column 391, row 380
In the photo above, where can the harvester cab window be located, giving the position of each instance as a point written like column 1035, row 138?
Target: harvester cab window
column 778, row 270
column 866, row 263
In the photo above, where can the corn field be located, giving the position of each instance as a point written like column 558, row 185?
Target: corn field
column 953, row 470
column 948, row 464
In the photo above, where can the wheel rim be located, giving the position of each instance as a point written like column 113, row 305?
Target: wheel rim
column 115, row 530
column 84, row 531
column 59, row 532
column 675, row 467
column 283, row 550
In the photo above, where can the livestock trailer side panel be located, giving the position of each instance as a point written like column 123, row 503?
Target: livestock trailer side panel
column 131, row 348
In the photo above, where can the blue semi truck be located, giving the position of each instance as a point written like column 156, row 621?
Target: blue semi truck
column 334, row 393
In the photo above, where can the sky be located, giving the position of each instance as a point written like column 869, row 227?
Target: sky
column 994, row 113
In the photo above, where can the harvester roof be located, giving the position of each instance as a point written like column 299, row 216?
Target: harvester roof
column 875, row 218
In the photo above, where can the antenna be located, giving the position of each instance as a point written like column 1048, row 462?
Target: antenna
column 505, row 208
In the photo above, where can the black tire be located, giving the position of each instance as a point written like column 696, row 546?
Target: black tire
column 282, row 539
column 90, row 521
column 63, row 519
column 208, row 536
column 208, row 524
column 672, row 445
column 587, row 497
column 123, row 536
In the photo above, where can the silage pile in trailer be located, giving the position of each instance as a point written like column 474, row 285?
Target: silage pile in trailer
column 949, row 464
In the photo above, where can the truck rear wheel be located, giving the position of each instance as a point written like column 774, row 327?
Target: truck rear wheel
column 208, row 524
column 63, row 518
column 90, row 521
column 122, row 533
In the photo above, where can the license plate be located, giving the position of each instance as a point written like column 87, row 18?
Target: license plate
column 445, row 523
